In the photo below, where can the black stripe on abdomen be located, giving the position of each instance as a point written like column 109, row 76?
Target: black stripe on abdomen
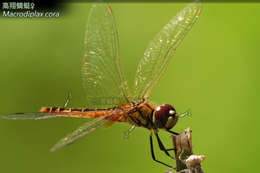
column 64, row 110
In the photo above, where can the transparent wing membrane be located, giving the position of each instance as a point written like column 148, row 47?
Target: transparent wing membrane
column 88, row 127
column 30, row 116
column 42, row 115
column 101, row 72
column 162, row 48
column 80, row 132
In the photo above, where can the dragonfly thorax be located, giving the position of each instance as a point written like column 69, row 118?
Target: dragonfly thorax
column 165, row 117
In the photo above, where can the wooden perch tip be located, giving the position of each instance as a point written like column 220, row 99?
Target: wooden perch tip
column 186, row 161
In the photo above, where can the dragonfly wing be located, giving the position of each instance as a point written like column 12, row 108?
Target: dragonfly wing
column 44, row 115
column 30, row 116
column 102, row 77
column 80, row 132
column 161, row 49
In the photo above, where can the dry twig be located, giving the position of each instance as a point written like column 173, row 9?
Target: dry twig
column 186, row 161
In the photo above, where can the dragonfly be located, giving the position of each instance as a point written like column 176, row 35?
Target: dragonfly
column 108, row 96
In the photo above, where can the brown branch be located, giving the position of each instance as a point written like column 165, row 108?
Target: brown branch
column 186, row 161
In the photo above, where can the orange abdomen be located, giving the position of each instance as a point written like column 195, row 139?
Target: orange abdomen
column 113, row 114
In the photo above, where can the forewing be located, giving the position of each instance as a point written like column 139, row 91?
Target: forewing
column 30, row 116
column 101, row 70
column 82, row 131
column 162, row 48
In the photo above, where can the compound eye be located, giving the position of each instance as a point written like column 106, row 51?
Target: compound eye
column 163, row 115
column 170, row 122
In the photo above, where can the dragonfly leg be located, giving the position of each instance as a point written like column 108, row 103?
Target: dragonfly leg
column 152, row 152
column 172, row 132
column 128, row 132
column 161, row 146
column 69, row 97
column 170, row 149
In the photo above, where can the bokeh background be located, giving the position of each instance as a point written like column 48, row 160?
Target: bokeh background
column 215, row 72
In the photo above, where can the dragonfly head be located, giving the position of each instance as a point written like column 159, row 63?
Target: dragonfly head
column 165, row 117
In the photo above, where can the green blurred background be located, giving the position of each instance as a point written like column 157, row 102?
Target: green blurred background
column 215, row 72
